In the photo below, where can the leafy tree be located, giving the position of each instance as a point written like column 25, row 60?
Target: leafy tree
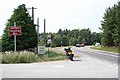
column 56, row 41
column 60, row 32
column 111, row 26
column 0, row 41
column 95, row 37
column 0, row 44
column 80, row 39
column 65, row 41
column 74, row 37
column 28, row 39
column 86, row 35
column 73, row 41
column 75, row 33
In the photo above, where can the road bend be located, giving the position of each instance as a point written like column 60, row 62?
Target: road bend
column 87, row 64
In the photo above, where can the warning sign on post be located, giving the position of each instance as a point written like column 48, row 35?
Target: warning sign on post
column 14, row 30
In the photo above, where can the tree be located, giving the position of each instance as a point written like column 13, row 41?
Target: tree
column 75, row 33
column 74, row 37
column 28, row 39
column 0, row 44
column 95, row 37
column 65, row 41
column 86, row 36
column 56, row 41
column 111, row 26
column 73, row 41
column 60, row 32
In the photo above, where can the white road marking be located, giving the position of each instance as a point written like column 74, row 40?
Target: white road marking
column 107, row 54
column 59, row 66
column 113, row 56
column 108, row 64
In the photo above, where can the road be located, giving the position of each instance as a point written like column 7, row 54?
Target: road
column 83, row 66
column 101, row 55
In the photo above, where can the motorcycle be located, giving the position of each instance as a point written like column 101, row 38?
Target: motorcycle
column 69, row 54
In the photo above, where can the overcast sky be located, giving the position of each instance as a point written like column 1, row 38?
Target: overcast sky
column 70, row 14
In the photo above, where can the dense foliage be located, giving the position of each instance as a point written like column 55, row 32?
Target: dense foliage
column 111, row 26
column 28, row 39
column 72, row 37
column 0, row 44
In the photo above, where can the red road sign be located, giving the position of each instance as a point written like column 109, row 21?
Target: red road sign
column 14, row 30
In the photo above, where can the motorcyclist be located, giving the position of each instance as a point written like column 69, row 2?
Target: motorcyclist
column 69, row 53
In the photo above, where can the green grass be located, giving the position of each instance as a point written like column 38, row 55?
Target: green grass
column 30, row 57
column 19, row 57
column 52, row 56
column 109, row 49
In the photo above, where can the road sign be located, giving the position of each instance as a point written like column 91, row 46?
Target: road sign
column 14, row 30
column 49, row 41
column 41, row 49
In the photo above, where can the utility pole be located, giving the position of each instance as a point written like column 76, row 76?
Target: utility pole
column 37, row 33
column 44, row 26
column 33, row 24
column 32, row 13
column 44, row 31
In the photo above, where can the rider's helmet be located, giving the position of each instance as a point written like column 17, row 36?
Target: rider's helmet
column 68, row 48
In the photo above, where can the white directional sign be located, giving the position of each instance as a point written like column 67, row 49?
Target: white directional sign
column 41, row 49
column 49, row 41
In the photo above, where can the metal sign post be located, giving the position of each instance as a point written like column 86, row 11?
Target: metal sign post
column 14, row 39
column 49, row 41
column 14, row 31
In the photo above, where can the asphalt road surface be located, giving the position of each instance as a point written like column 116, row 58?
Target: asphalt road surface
column 87, row 64
column 101, row 55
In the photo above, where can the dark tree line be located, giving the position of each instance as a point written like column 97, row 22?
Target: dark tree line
column 111, row 26
column 72, row 37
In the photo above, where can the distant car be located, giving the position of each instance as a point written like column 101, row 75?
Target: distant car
column 77, row 45
column 82, row 45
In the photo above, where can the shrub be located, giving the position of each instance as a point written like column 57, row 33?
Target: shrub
column 53, row 45
column 52, row 56
column 29, row 57
column 19, row 57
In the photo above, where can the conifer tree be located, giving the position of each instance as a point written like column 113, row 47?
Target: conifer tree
column 28, row 39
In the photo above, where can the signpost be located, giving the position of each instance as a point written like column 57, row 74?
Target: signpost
column 49, row 41
column 14, row 31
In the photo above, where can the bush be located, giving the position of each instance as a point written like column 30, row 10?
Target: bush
column 52, row 56
column 0, row 57
column 19, row 57
column 29, row 57
column 53, row 45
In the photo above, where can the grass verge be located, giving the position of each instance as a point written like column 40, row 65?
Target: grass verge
column 30, row 57
column 51, row 56
column 109, row 49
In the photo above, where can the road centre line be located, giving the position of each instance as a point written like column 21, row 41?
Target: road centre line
column 107, row 54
